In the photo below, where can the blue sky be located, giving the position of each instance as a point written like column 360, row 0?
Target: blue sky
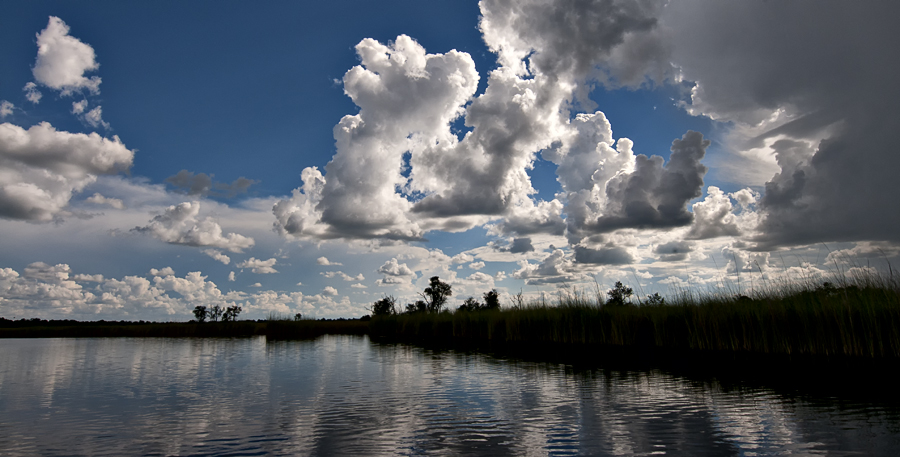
column 293, row 158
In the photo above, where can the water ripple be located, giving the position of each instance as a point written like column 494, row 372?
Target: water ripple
column 344, row 395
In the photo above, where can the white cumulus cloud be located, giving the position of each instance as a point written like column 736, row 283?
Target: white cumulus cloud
column 179, row 224
column 40, row 168
column 215, row 254
column 6, row 108
column 259, row 266
column 62, row 60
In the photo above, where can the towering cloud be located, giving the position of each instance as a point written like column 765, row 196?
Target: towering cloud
column 407, row 98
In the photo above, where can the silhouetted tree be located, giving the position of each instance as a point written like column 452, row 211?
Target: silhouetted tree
column 298, row 316
column 491, row 299
column 231, row 313
column 215, row 312
column 418, row 307
column 436, row 294
column 385, row 307
column 618, row 294
column 200, row 313
column 470, row 304
column 656, row 299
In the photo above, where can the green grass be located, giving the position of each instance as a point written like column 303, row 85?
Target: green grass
column 858, row 317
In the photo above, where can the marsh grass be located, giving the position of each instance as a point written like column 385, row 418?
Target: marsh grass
column 855, row 315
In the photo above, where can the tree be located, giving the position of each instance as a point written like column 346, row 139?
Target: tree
column 231, row 313
column 200, row 313
column 618, row 294
column 656, row 299
column 491, row 299
column 298, row 317
column 418, row 307
column 436, row 294
column 470, row 304
column 215, row 312
column 385, row 307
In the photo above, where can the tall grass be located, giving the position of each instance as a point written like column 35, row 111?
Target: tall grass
column 855, row 316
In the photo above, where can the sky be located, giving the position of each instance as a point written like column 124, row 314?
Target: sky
column 313, row 158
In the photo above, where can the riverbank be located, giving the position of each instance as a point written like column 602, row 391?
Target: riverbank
column 274, row 329
column 851, row 321
column 828, row 321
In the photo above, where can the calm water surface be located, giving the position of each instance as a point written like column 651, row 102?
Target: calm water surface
column 342, row 395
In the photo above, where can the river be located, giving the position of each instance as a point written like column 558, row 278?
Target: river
column 345, row 395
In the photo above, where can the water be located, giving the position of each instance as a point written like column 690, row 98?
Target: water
column 343, row 395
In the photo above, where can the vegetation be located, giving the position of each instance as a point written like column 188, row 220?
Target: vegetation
column 857, row 317
column 491, row 303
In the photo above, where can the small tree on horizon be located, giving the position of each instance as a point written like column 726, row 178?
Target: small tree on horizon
column 231, row 313
column 215, row 312
column 200, row 313
column 491, row 299
column 418, row 307
column 385, row 307
column 436, row 294
column 618, row 295
column 470, row 304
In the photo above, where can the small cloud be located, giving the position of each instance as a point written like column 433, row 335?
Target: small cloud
column 299, row 283
column 167, row 271
column 358, row 286
column 94, row 117
column 63, row 59
column 342, row 275
column 6, row 108
column 328, row 290
column 476, row 265
column 324, row 261
column 231, row 276
column 256, row 284
column 101, row 200
column 79, row 107
column 88, row 278
column 32, row 93
column 259, row 266
column 202, row 184
column 217, row 255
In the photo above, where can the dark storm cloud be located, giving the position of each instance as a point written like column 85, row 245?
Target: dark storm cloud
column 674, row 250
column 203, row 184
column 832, row 68
column 521, row 245
column 656, row 196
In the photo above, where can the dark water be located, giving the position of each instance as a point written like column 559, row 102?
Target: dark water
column 342, row 395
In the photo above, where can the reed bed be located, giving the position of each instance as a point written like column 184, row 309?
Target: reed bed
column 857, row 317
